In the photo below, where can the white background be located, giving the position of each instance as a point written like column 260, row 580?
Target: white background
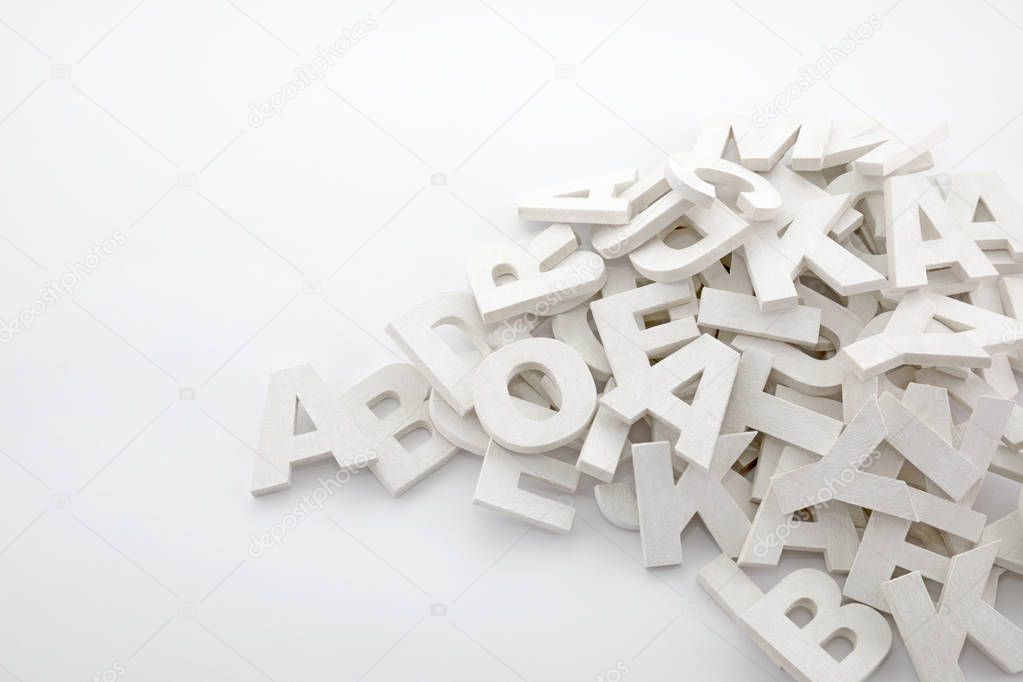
column 125, row 517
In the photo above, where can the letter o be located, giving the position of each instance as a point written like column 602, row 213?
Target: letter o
column 502, row 419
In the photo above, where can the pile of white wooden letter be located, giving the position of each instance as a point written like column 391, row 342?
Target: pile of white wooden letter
column 798, row 333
